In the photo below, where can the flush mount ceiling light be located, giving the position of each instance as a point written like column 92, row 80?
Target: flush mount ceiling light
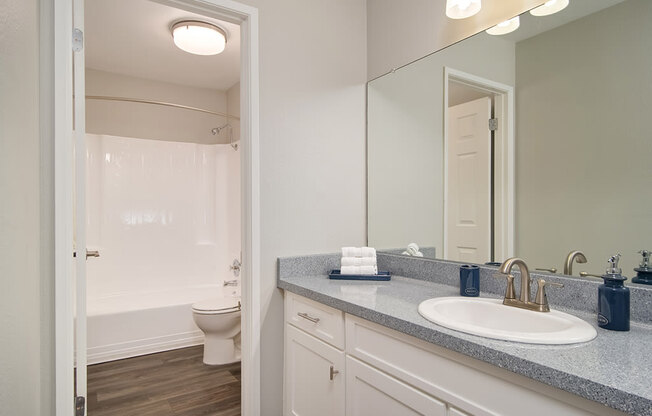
column 549, row 7
column 199, row 38
column 505, row 27
column 461, row 9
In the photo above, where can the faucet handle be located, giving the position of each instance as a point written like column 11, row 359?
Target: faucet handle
column 541, row 298
column 551, row 270
column 510, row 292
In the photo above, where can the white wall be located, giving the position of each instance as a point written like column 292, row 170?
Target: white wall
column 405, row 141
column 149, row 121
column 399, row 32
column 312, row 135
column 583, row 170
column 164, row 215
column 26, row 297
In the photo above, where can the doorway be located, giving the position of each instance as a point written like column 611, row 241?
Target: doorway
column 478, row 168
column 70, row 272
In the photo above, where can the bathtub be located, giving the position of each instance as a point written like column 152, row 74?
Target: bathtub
column 127, row 325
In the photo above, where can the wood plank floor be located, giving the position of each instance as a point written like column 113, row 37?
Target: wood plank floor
column 171, row 383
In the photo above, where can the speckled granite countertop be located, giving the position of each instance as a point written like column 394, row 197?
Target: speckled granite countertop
column 614, row 369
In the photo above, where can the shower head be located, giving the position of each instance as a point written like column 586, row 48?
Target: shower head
column 217, row 130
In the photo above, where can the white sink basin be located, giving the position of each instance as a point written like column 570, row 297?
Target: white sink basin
column 490, row 318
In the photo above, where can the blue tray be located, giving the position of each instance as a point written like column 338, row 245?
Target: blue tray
column 382, row 276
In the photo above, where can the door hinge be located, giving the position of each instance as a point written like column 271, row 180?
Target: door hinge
column 80, row 405
column 493, row 124
column 77, row 40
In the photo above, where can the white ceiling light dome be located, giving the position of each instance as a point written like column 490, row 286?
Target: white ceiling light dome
column 549, row 7
column 461, row 9
column 199, row 38
column 505, row 27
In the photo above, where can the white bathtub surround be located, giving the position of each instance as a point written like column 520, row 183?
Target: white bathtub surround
column 165, row 217
column 131, row 324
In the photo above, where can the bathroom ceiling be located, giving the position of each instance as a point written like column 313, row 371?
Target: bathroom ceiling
column 132, row 37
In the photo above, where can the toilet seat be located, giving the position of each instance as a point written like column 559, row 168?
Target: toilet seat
column 216, row 306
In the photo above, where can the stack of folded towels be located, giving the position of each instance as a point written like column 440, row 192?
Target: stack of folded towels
column 359, row 260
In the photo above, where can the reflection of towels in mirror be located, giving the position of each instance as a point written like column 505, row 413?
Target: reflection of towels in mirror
column 363, row 295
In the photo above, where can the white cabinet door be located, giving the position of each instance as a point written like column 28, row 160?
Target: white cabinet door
column 370, row 392
column 314, row 376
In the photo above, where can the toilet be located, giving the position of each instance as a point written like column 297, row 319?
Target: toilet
column 219, row 319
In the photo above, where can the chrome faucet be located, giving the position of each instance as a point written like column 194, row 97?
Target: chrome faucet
column 572, row 256
column 235, row 267
column 540, row 303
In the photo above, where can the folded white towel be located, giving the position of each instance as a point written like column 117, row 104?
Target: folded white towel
column 348, row 270
column 413, row 250
column 358, row 252
column 351, row 252
column 358, row 261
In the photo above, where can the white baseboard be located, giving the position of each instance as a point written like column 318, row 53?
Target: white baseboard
column 135, row 348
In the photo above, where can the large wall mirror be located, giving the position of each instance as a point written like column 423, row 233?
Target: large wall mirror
column 533, row 143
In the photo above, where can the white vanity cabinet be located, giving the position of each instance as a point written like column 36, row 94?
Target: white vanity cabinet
column 385, row 372
column 314, row 370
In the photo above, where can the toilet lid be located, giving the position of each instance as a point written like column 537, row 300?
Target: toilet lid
column 217, row 305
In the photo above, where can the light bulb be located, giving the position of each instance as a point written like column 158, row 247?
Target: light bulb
column 199, row 38
column 461, row 9
column 505, row 27
column 549, row 7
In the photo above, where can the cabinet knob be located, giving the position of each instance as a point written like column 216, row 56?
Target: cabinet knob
column 333, row 373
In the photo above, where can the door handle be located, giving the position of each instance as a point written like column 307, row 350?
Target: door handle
column 333, row 373
column 89, row 253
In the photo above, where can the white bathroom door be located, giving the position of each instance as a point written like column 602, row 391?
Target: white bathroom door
column 468, row 179
column 79, row 232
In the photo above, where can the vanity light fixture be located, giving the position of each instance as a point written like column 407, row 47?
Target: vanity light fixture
column 505, row 27
column 199, row 38
column 549, row 7
column 461, row 9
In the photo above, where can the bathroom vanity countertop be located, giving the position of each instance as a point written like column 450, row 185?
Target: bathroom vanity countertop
column 614, row 369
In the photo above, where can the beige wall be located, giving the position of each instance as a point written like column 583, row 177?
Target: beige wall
column 583, row 170
column 399, row 32
column 312, row 136
column 148, row 121
column 405, row 141
column 26, row 301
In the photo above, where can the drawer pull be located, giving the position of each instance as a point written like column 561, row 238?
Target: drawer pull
column 333, row 373
column 308, row 317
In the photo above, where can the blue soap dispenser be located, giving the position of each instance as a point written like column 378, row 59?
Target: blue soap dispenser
column 644, row 271
column 613, row 298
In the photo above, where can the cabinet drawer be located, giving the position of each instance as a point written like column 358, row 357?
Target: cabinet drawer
column 319, row 320
column 370, row 392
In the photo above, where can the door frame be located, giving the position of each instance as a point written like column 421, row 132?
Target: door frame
column 504, row 159
column 61, row 49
